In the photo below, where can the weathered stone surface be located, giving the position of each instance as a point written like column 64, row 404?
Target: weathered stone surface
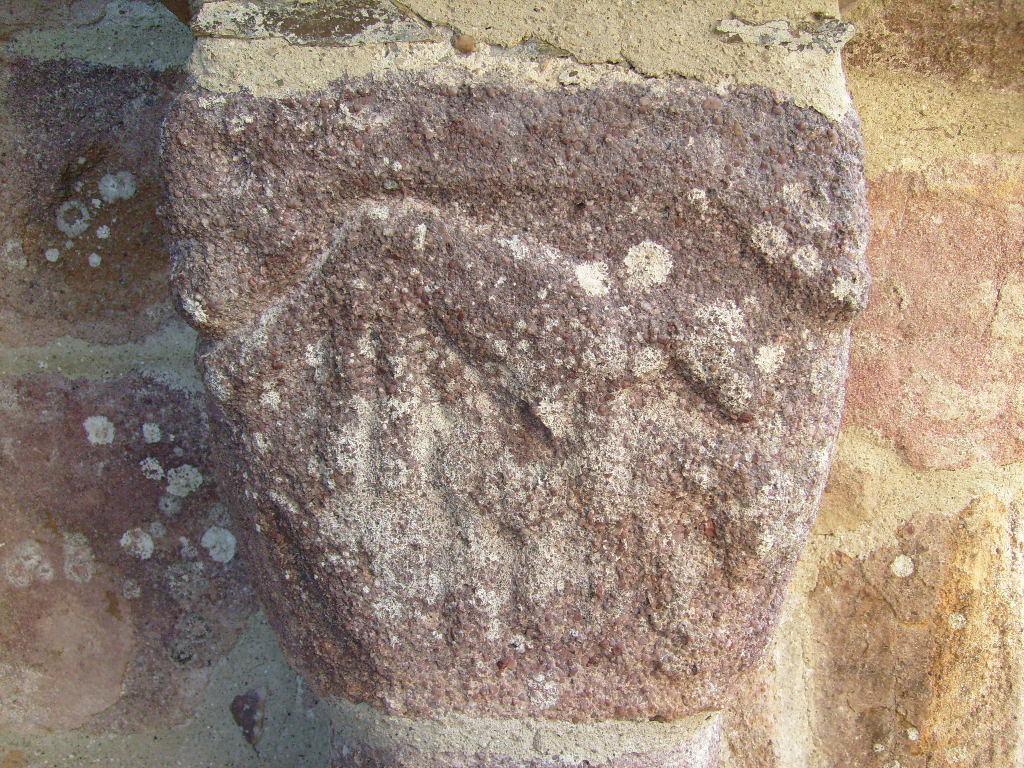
column 939, row 358
column 115, row 611
column 977, row 41
column 81, row 247
column 524, row 397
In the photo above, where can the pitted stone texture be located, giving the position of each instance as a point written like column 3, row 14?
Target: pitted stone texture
column 525, row 399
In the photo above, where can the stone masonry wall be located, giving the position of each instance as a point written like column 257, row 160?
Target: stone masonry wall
column 132, row 634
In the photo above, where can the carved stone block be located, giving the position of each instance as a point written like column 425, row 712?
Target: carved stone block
column 524, row 395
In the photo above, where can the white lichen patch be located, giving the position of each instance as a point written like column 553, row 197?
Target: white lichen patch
column 516, row 245
column 151, row 469
column 218, row 385
column 846, row 290
column 812, row 212
column 713, row 351
column 270, row 398
column 131, row 590
column 186, row 549
column 73, row 218
column 771, row 241
column 27, row 564
column 79, row 560
column 315, row 355
column 593, row 278
column 648, row 361
column 647, row 264
column 902, row 567
column 151, row 432
column 725, row 317
column 95, row 260
column 219, row 543
column 699, row 198
column 769, row 358
column 137, row 543
column 117, row 186
column 51, row 254
column 13, row 254
column 807, row 259
column 98, row 430
column 543, row 692
column 183, row 480
column 103, row 232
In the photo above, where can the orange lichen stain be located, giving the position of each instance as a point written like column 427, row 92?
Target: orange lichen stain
column 113, row 606
column 14, row 759
column 971, row 716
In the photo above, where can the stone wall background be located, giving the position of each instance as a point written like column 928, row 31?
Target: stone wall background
column 129, row 625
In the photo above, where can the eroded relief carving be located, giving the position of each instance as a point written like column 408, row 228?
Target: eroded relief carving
column 525, row 397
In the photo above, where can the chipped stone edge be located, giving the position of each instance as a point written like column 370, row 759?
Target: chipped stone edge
column 521, row 739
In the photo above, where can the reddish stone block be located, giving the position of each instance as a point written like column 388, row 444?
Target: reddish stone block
column 81, row 246
column 117, row 597
column 938, row 358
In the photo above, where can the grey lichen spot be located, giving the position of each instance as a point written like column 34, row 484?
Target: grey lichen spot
column 169, row 505
column 713, row 353
column 131, row 590
column 79, row 560
column 902, row 567
column 807, row 259
column 183, row 480
column 647, row 265
column 27, row 564
column 151, row 432
column 98, row 430
column 73, row 218
column 186, row 549
column 219, row 543
column 151, row 468
column 117, row 186
column 593, row 278
column 13, row 254
column 137, row 543
column 771, row 241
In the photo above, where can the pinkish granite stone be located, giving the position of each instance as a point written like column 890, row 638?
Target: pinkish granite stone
column 524, row 399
